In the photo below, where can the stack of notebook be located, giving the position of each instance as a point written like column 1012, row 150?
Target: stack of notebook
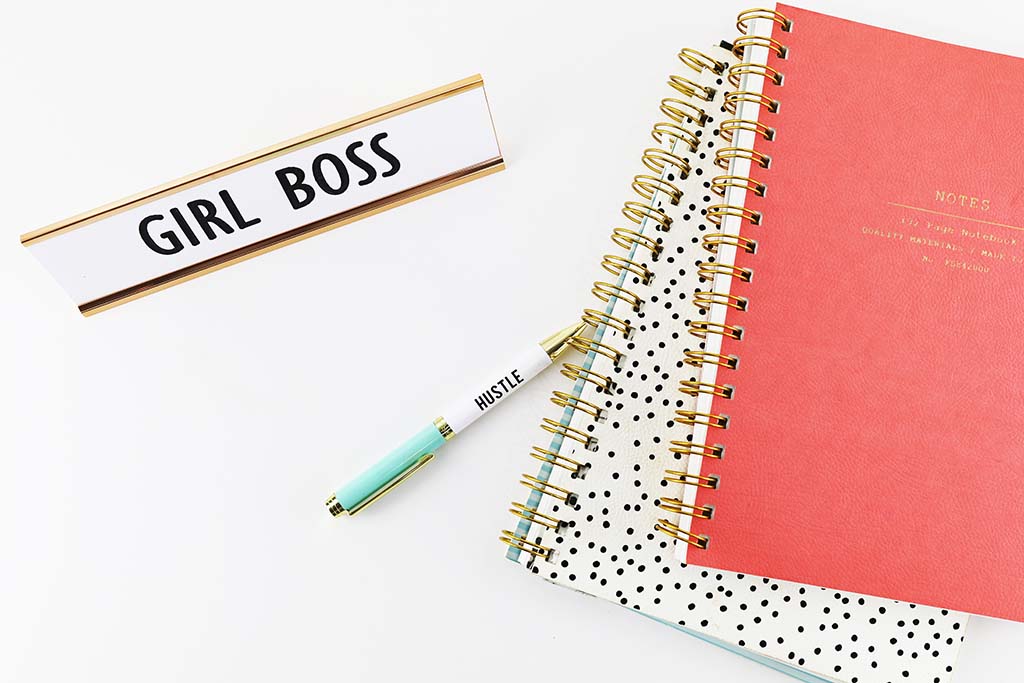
column 798, row 430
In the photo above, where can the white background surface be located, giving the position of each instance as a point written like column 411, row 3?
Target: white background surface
column 163, row 465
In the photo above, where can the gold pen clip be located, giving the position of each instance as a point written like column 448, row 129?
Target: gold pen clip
column 391, row 485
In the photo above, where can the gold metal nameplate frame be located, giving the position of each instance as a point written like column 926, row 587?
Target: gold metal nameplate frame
column 298, row 188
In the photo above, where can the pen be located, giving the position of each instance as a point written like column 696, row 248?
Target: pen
column 418, row 450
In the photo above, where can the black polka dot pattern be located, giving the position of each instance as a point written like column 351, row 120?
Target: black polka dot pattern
column 606, row 545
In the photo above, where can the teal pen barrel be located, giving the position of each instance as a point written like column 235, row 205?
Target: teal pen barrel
column 373, row 481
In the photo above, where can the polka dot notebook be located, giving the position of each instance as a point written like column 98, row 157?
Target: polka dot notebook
column 607, row 504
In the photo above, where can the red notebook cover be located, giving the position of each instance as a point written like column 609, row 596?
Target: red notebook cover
column 875, row 440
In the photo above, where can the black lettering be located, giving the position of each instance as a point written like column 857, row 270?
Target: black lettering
column 497, row 392
column 370, row 171
column 205, row 213
column 295, row 185
column 185, row 227
column 503, row 382
column 385, row 155
column 339, row 166
column 481, row 403
column 236, row 215
column 172, row 239
column 515, row 373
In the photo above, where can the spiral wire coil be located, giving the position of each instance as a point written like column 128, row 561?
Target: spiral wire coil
column 725, row 158
column 684, row 114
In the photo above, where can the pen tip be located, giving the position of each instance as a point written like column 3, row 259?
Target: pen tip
column 335, row 508
column 559, row 341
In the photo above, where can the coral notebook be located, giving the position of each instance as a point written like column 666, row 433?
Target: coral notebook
column 611, row 485
column 868, row 356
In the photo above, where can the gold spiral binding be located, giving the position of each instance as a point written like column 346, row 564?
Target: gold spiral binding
column 737, row 71
column 692, row 388
column 691, row 417
column 700, row 358
column 708, row 270
column 712, row 241
column 743, row 42
column 718, row 212
column 725, row 154
column 761, row 13
column 596, row 318
column 658, row 160
column 511, row 539
column 626, row 238
column 680, row 508
column 721, row 183
column 690, row 89
column 698, row 61
column 548, row 489
column 557, row 459
column 647, row 186
column 585, row 345
column 674, row 131
column 566, row 400
column 670, row 529
column 665, row 166
column 568, row 432
column 683, row 112
column 724, row 159
column 703, row 300
column 687, row 479
column 606, row 291
column 730, row 127
column 734, row 97
column 686, row 448
column 638, row 211
column 702, row 328
column 531, row 515
column 617, row 265
column 577, row 372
